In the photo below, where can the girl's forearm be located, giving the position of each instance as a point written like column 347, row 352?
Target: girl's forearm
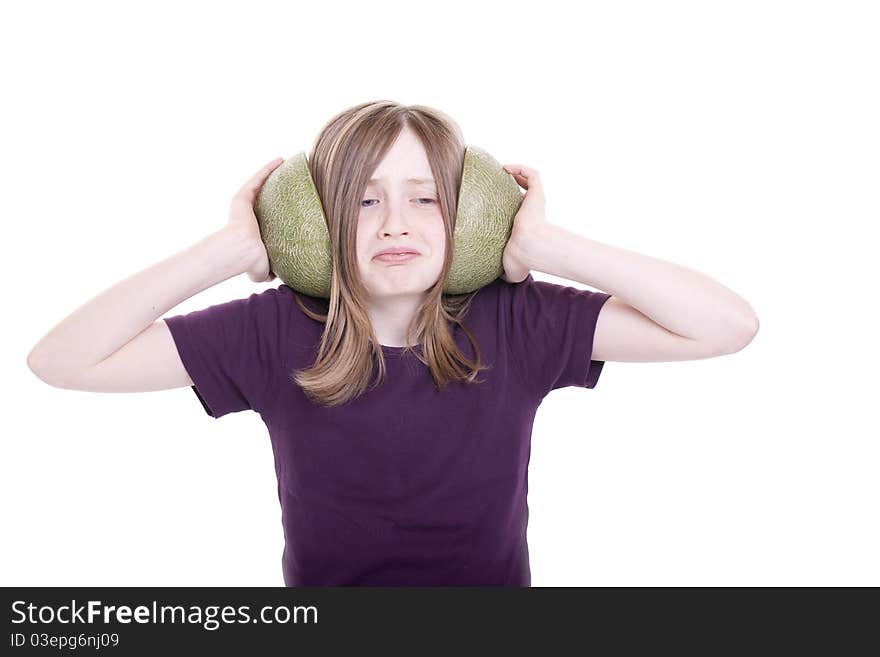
column 115, row 316
column 678, row 298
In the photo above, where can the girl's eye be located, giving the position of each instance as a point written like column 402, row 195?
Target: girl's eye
column 367, row 200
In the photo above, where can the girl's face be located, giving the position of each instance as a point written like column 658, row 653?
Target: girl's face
column 399, row 212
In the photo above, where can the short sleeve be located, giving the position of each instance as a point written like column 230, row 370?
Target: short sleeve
column 551, row 330
column 230, row 351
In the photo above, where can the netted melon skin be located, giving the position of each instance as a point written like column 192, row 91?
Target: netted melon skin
column 294, row 230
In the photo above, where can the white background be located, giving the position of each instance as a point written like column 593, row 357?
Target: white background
column 740, row 139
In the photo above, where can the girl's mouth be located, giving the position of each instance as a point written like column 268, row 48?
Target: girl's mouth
column 396, row 257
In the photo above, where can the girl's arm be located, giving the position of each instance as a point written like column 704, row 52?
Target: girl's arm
column 658, row 311
column 115, row 342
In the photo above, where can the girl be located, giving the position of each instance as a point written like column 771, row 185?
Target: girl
column 417, row 476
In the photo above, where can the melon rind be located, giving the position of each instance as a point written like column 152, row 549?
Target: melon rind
column 294, row 230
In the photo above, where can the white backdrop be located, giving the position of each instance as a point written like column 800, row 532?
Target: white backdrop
column 740, row 139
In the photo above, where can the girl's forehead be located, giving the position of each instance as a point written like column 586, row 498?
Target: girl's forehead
column 415, row 180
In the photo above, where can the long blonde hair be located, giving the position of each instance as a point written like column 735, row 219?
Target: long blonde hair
column 345, row 153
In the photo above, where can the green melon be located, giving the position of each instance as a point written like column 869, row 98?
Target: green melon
column 294, row 230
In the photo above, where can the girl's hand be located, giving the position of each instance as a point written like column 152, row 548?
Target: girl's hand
column 243, row 222
column 528, row 220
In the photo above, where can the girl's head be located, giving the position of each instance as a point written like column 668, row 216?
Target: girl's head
column 364, row 163
column 401, row 208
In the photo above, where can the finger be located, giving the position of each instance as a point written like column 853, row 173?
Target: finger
column 263, row 173
column 530, row 177
column 250, row 188
column 522, row 170
column 519, row 177
column 521, row 180
column 524, row 175
column 514, row 171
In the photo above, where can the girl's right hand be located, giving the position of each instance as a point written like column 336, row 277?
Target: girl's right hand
column 243, row 222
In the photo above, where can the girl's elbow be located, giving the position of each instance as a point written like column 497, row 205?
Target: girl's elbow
column 743, row 336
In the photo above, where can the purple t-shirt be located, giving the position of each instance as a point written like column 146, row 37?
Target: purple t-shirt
column 405, row 485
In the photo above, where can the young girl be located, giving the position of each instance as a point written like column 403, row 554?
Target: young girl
column 400, row 417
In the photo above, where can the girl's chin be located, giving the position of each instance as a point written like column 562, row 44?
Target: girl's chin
column 389, row 288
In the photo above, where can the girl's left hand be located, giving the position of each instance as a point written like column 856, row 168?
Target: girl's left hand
column 528, row 221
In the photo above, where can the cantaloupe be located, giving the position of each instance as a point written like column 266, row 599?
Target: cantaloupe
column 294, row 229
